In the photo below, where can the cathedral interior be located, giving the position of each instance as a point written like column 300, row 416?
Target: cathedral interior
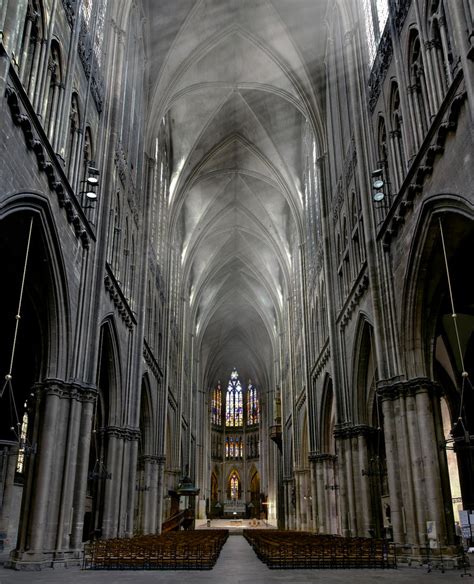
column 234, row 237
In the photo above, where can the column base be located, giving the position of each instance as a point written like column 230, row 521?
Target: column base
column 35, row 561
column 445, row 557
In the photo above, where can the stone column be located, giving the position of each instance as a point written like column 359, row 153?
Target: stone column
column 412, row 467
column 9, row 457
column 438, row 86
column 88, row 397
column 73, row 420
column 325, row 491
column 314, row 491
column 52, row 391
column 30, row 20
column 368, row 507
column 130, row 458
column 145, row 493
column 464, row 41
column 418, row 491
column 426, row 394
column 342, row 486
column 159, row 469
column 298, row 495
column 112, row 486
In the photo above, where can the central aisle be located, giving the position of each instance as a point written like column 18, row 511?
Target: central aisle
column 238, row 563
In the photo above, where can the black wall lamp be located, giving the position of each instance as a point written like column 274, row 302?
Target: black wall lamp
column 378, row 184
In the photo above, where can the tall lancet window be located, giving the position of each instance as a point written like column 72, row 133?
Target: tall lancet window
column 234, row 402
column 376, row 15
column 216, row 405
column 20, row 461
column 253, row 413
column 234, row 486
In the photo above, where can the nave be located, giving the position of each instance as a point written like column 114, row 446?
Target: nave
column 235, row 240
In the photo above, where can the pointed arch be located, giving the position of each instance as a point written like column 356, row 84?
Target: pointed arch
column 364, row 372
column 31, row 52
column 234, row 485
column 109, row 374
column 418, row 89
column 147, row 425
column 328, row 417
column 51, row 296
column 41, row 348
column 396, row 136
column 422, row 298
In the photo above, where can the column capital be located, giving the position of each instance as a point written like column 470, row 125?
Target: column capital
column 153, row 459
column 316, row 457
column 84, row 392
column 392, row 390
column 355, row 430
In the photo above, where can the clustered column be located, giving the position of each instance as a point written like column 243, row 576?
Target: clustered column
column 415, row 461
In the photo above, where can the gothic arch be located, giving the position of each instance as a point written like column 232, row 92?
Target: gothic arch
column 50, row 299
column 147, row 424
column 327, row 417
column 422, row 299
column 364, row 372
column 234, row 481
column 109, row 374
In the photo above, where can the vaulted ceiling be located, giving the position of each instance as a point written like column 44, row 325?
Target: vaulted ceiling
column 241, row 82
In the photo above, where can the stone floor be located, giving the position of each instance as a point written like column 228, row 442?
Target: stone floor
column 237, row 564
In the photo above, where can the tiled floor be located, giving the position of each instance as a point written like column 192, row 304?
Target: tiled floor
column 237, row 564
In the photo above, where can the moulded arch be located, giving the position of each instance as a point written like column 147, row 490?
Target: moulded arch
column 363, row 367
column 417, row 329
column 109, row 370
column 38, row 206
column 327, row 417
column 146, row 418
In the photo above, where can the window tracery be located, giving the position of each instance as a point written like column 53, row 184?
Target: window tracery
column 20, row 461
column 234, row 484
column 375, row 16
column 253, row 411
column 216, row 405
column 234, row 402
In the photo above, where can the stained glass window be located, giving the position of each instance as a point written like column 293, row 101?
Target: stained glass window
column 216, row 405
column 96, row 27
column 376, row 15
column 253, row 412
column 234, row 402
column 20, row 461
column 234, row 486
column 234, row 447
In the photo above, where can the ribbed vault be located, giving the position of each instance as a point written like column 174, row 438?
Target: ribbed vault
column 240, row 90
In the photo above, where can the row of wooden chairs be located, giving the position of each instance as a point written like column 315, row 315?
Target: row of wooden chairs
column 177, row 550
column 296, row 549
